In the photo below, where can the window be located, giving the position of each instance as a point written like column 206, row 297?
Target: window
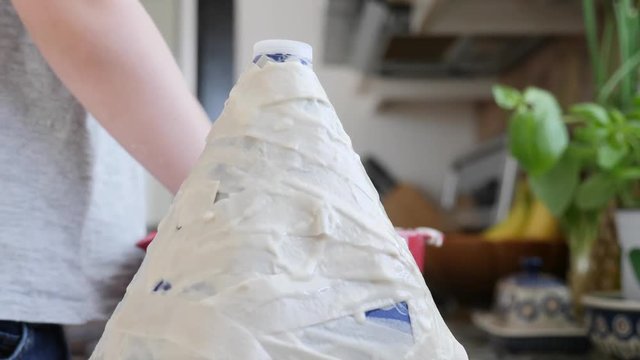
column 215, row 54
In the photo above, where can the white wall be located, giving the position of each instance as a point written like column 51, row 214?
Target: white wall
column 176, row 19
column 417, row 144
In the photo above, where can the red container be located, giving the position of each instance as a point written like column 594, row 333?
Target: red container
column 418, row 239
column 144, row 243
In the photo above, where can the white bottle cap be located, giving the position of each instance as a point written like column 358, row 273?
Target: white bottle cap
column 296, row 48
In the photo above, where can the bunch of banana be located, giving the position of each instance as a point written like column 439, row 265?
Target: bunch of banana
column 529, row 219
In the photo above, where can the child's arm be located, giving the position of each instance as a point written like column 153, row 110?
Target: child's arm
column 114, row 60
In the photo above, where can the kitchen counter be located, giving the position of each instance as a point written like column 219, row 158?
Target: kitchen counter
column 478, row 346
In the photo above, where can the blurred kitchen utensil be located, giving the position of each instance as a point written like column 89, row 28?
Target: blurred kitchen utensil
column 479, row 186
column 408, row 207
column 380, row 177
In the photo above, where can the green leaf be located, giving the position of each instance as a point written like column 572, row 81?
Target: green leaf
column 617, row 117
column 634, row 127
column 635, row 115
column 624, row 71
column 591, row 32
column 629, row 197
column 549, row 135
column 634, row 260
column 521, row 143
column 584, row 154
column 506, row 97
column 557, row 187
column 628, row 174
column 591, row 135
column 591, row 112
column 609, row 156
column 596, row 192
column 622, row 11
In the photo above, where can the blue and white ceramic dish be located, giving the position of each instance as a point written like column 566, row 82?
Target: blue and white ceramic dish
column 532, row 313
column 614, row 324
column 531, row 299
column 504, row 338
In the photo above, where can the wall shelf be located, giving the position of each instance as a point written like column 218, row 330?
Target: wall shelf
column 497, row 17
column 389, row 91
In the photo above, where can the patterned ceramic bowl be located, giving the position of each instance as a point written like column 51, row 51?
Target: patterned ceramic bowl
column 614, row 324
column 533, row 300
column 532, row 313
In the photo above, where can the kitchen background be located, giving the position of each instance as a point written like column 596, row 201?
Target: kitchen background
column 417, row 142
column 412, row 83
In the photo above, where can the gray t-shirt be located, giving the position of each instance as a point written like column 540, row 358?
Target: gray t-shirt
column 71, row 199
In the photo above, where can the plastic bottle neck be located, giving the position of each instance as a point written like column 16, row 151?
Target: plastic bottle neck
column 281, row 51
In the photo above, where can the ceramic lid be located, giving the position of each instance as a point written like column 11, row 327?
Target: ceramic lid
column 531, row 276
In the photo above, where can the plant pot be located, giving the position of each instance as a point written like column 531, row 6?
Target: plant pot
column 594, row 256
column 628, row 225
column 612, row 323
